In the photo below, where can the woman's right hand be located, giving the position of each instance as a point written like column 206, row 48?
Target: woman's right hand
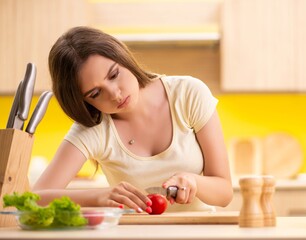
column 124, row 194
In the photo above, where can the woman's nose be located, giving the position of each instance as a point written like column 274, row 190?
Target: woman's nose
column 115, row 94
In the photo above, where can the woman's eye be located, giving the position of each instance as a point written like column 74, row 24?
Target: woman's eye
column 114, row 75
column 95, row 94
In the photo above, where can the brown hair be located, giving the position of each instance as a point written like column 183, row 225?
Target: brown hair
column 66, row 57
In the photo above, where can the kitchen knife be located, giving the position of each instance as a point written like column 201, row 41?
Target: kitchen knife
column 171, row 191
column 26, row 95
column 39, row 111
column 14, row 109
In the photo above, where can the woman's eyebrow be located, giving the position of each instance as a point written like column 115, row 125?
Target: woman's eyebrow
column 110, row 69
column 108, row 73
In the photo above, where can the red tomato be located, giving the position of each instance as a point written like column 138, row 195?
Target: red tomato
column 93, row 218
column 159, row 203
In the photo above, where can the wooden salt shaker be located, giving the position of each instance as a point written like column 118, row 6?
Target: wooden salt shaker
column 251, row 214
column 268, row 190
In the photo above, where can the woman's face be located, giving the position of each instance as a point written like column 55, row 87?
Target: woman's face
column 108, row 86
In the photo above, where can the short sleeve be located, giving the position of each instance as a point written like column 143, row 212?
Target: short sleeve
column 200, row 103
column 87, row 140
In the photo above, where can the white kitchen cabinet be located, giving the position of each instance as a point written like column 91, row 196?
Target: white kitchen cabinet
column 263, row 45
column 28, row 30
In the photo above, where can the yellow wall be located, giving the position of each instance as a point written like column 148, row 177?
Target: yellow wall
column 245, row 115
column 242, row 115
column 49, row 132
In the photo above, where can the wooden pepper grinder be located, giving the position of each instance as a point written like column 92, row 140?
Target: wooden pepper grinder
column 268, row 190
column 251, row 214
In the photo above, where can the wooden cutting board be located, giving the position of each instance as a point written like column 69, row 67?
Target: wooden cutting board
column 227, row 217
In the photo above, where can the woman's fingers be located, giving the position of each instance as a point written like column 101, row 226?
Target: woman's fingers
column 127, row 202
column 137, row 195
column 128, row 195
column 112, row 203
column 182, row 194
column 192, row 195
column 186, row 187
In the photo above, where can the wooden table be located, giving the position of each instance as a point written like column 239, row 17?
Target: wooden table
column 287, row 228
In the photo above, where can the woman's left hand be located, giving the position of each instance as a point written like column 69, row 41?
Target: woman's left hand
column 187, row 187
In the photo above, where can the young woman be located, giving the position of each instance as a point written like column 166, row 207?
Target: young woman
column 142, row 128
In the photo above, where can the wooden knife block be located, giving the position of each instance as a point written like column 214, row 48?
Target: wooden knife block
column 15, row 156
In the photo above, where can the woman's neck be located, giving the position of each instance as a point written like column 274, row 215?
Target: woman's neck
column 151, row 98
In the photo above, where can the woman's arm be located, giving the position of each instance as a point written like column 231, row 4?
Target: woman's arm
column 66, row 163
column 215, row 187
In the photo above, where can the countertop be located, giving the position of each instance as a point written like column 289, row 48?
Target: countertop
column 287, row 228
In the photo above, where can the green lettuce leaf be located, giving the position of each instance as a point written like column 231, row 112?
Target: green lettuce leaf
column 59, row 213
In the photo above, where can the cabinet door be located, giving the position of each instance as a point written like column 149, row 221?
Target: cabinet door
column 28, row 30
column 263, row 45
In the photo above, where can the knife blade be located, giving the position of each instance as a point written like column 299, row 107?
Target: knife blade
column 26, row 95
column 39, row 111
column 171, row 191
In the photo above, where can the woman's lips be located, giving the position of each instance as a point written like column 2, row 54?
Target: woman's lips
column 124, row 103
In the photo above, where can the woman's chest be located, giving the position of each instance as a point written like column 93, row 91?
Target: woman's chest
column 180, row 147
column 184, row 155
column 146, row 137
column 147, row 129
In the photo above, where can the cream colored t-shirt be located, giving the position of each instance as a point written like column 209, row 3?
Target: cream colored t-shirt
column 192, row 105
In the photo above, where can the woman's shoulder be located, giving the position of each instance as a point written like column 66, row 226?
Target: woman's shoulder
column 191, row 98
column 78, row 129
column 182, row 80
column 179, row 78
column 184, row 83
